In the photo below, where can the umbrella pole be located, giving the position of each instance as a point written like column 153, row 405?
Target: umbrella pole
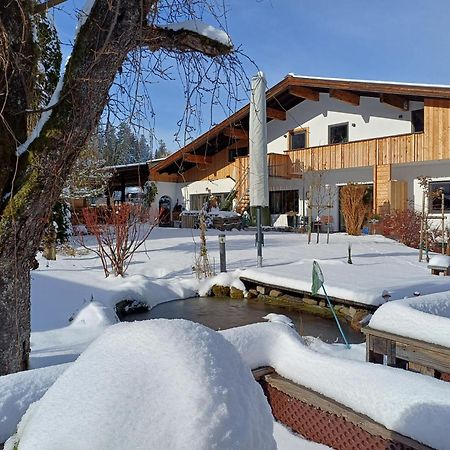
column 258, row 237
column 335, row 318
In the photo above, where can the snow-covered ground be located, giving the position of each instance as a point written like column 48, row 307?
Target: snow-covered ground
column 74, row 287
column 199, row 388
column 162, row 271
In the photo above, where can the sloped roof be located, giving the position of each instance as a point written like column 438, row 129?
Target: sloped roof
column 286, row 94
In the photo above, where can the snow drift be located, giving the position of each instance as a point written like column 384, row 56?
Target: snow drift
column 159, row 384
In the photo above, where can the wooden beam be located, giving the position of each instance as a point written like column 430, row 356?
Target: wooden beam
column 345, row 96
column 397, row 101
column 236, row 133
column 242, row 143
column 197, row 159
column 274, row 113
column 304, row 92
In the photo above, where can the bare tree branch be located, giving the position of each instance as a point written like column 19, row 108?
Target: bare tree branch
column 42, row 7
column 157, row 38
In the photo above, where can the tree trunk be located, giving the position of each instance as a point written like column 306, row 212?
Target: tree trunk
column 101, row 48
column 30, row 186
column 14, row 314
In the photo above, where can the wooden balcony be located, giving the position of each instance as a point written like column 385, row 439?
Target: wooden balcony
column 281, row 166
column 404, row 148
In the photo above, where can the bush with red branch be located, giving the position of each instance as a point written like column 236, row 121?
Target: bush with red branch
column 404, row 226
column 119, row 231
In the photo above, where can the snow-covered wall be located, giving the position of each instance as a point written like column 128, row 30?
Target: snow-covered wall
column 369, row 120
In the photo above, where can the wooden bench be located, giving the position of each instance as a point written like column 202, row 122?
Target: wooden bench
column 407, row 353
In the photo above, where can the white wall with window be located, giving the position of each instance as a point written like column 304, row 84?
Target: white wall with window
column 439, row 174
column 369, row 120
column 194, row 193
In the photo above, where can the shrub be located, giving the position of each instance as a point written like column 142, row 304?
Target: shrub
column 353, row 206
column 119, row 232
column 403, row 226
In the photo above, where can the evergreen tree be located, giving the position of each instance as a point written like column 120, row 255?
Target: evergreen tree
column 161, row 151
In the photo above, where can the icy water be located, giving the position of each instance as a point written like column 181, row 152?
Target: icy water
column 221, row 313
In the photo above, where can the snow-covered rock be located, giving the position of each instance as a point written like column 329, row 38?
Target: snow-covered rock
column 158, row 384
column 279, row 318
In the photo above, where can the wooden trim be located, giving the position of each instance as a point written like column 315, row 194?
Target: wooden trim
column 197, row 159
column 331, row 406
column 397, row 101
column 373, row 87
column 243, row 143
column 345, row 96
column 304, row 92
column 275, row 113
column 295, row 131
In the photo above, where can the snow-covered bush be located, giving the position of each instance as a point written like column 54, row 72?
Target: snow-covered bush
column 158, row 384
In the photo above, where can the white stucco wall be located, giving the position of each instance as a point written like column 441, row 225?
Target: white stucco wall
column 172, row 190
column 437, row 171
column 369, row 120
column 220, row 186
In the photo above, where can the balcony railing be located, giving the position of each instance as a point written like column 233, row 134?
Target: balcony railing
column 397, row 149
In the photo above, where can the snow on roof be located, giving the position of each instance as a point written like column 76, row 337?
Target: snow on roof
column 355, row 80
column 202, row 28
column 162, row 384
column 426, row 318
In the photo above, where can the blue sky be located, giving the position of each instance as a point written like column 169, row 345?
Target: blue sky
column 393, row 40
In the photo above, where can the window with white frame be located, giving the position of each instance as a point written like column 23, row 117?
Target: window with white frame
column 436, row 189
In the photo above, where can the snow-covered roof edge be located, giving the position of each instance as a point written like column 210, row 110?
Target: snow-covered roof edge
column 355, row 80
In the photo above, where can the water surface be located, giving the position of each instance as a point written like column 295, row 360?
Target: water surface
column 221, row 313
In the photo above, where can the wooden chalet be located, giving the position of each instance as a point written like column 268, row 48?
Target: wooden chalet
column 383, row 134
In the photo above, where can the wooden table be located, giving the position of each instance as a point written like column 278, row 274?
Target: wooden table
column 407, row 353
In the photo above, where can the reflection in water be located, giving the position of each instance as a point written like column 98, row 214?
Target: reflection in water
column 220, row 313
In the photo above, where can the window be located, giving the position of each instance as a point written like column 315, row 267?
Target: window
column 435, row 200
column 282, row 202
column 338, row 134
column 417, row 120
column 298, row 138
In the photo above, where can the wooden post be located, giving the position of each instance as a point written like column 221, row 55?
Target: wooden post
column 422, row 227
column 309, row 214
column 442, row 221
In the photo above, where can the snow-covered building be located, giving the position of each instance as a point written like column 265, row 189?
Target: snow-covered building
column 382, row 134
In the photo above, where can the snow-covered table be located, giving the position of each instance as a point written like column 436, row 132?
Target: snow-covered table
column 407, row 353
column 412, row 333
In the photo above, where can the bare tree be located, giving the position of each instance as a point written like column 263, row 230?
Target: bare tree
column 111, row 38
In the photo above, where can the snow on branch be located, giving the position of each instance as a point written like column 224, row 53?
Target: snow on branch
column 191, row 35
